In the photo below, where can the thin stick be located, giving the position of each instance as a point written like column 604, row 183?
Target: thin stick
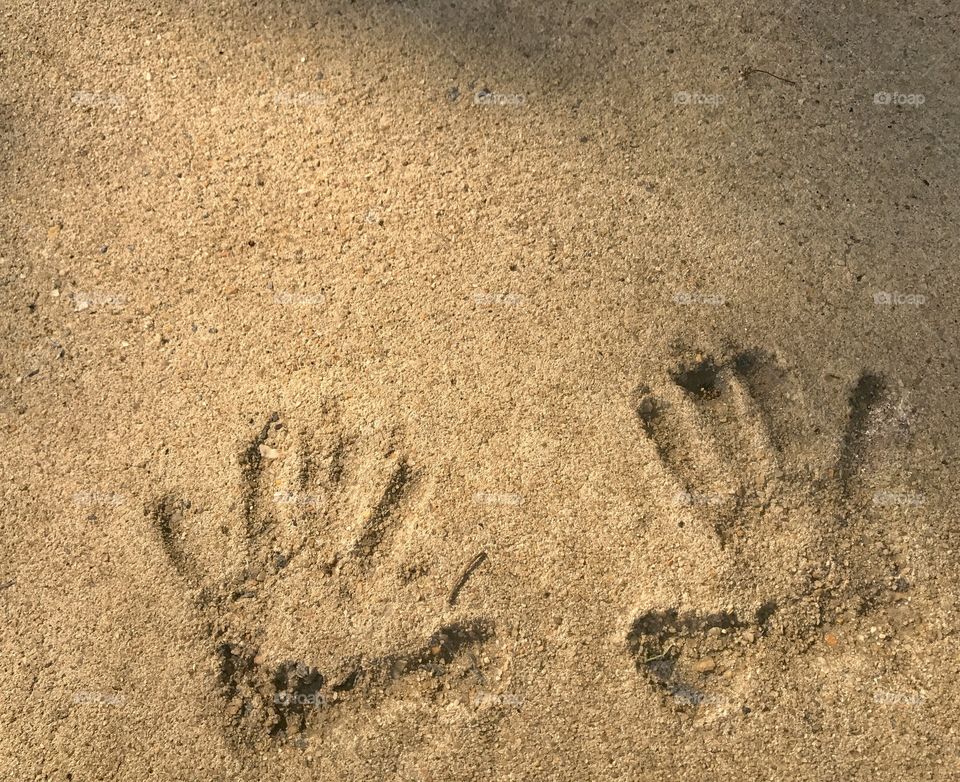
column 660, row 656
column 748, row 71
column 467, row 572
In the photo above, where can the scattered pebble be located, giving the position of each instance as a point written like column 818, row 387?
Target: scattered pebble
column 830, row 639
column 267, row 452
column 705, row 665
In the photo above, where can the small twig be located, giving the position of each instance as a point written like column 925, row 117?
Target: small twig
column 747, row 71
column 660, row 656
column 467, row 572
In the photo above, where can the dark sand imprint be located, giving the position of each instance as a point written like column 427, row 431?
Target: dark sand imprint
column 279, row 699
column 727, row 431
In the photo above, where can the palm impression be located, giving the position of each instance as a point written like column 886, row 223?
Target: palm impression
column 776, row 533
column 312, row 589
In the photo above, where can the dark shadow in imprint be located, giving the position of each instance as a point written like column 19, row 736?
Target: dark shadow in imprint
column 167, row 515
column 663, row 433
column 443, row 647
column 864, row 398
column 251, row 464
column 289, row 692
column 702, row 378
column 381, row 521
column 656, row 641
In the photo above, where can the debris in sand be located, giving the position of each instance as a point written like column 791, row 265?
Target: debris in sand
column 705, row 665
column 267, row 452
column 467, row 572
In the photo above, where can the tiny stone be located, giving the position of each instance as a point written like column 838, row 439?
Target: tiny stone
column 706, row 665
column 267, row 452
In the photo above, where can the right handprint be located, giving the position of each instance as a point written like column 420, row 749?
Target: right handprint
column 783, row 537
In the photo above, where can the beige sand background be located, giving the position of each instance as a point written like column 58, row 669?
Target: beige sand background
column 305, row 305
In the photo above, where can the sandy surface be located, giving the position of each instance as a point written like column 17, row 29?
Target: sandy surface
column 411, row 391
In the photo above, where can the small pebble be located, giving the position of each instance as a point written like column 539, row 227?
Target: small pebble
column 706, row 665
column 267, row 452
column 830, row 639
